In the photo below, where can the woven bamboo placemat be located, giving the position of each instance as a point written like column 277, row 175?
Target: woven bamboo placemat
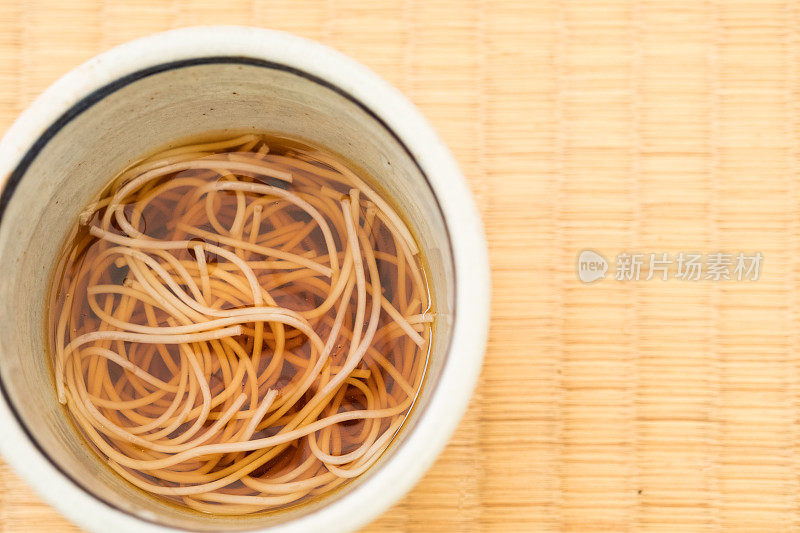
column 622, row 127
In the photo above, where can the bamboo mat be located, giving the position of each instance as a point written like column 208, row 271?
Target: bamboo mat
column 615, row 126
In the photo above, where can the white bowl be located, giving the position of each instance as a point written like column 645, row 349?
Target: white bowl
column 135, row 98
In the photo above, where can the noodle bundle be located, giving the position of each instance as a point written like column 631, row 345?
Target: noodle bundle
column 239, row 325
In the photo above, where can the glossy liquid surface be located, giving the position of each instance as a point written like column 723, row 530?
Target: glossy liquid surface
column 240, row 324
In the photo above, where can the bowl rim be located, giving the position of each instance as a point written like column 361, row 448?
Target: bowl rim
column 449, row 398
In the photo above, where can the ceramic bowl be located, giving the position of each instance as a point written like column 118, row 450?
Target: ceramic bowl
column 138, row 97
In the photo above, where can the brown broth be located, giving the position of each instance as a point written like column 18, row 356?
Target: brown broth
column 188, row 398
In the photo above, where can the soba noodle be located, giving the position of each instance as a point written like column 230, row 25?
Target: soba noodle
column 240, row 324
